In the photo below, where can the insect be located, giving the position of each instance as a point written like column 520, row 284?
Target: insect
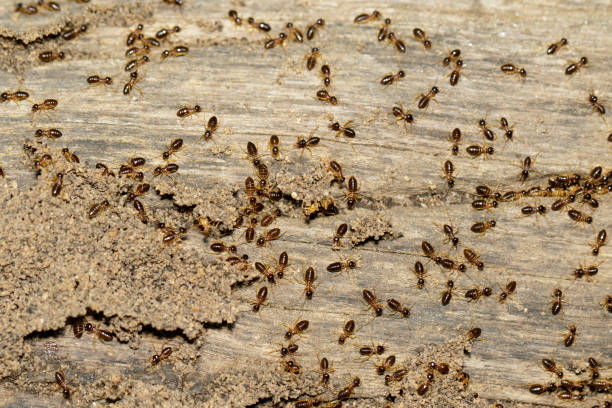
column 486, row 132
column 340, row 232
column 28, row 9
column 299, row 327
column 402, row 115
column 309, row 276
column 578, row 216
column 475, row 294
column 13, row 96
column 136, row 52
column 165, row 353
column 70, row 157
column 48, row 56
column 423, row 388
column 269, row 218
column 511, row 69
column 252, row 154
column 550, row 365
column 385, row 365
column 373, row 350
column 129, row 41
column 595, row 105
column 430, row 252
column 600, row 240
column 174, row 2
column 351, row 194
column 452, row 56
column 265, row 271
column 274, row 147
column 447, row 295
column 506, row 291
column 43, row 161
column 325, row 96
column 174, row 146
column 187, row 110
column 554, row 47
column 508, row 130
column 295, row 32
column 422, row 37
column 326, row 74
column 484, row 204
column 273, row 42
column 60, row 380
column 562, row 202
column 47, row 104
column 420, row 273
column 455, row 74
column 306, row 144
column 131, row 83
column 97, row 80
column 268, row 236
column 588, row 271
column 442, row 368
column 366, row 18
column 541, row 389
column 138, row 206
column 347, row 391
column 396, row 376
column 165, row 32
column 233, row 14
column 372, row 302
column 344, row 130
column 570, row 337
column 49, row 133
column 311, row 59
column 166, row 170
column 348, row 330
column 281, row 264
column 575, row 66
column 424, row 99
column 448, row 168
column 178, row 51
column 482, row 227
column 557, row 303
column 219, row 247
column 170, row 235
column 149, row 42
column 384, row 30
column 260, row 299
column 397, row 307
column 336, row 170
column 97, row 332
column 391, row 78
column 324, row 370
column 58, row 183
column 398, row 43
column 312, row 29
column 135, row 63
column 464, row 378
column 477, row 150
column 72, row 33
column 455, row 139
column 97, row 208
column 473, row 258
column 290, row 348
column 473, row 334
column 309, row 403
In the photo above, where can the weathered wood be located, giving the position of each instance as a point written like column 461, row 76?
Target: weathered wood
column 256, row 94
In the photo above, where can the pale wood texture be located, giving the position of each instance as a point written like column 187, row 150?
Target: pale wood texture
column 256, row 94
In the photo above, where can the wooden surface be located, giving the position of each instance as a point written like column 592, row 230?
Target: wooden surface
column 256, row 94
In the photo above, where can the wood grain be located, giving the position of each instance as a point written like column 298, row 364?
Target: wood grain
column 256, row 94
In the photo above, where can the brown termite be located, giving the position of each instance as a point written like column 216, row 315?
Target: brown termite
column 259, row 25
column 367, row 17
column 131, row 83
column 171, row 236
column 562, row 202
column 308, row 403
column 594, row 367
column 452, row 265
column 324, row 370
column 165, row 32
column 187, row 110
column 423, row 387
column 343, row 265
column 137, row 52
column 174, row 146
column 554, row 47
column 46, row 105
column 345, row 393
column 368, row 351
column 43, row 161
column 268, row 236
column 424, row 99
column 570, row 337
column 596, row 106
column 268, row 219
column 421, row 36
column 463, row 378
column 391, row 78
column 173, row 2
column 336, row 170
column 291, row 366
column 274, row 147
column 385, row 365
column 557, row 303
column 587, row 271
column 134, row 35
column 473, row 258
column 397, row 307
column 395, row 376
column 165, row 353
column 508, row 129
column 482, row 227
column 325, row 96
column 348, row 330
column 344, row 130
column 233, row 14
column 455, row 138
column 2, row 174
column 565, row 395
column 273, row 42
column 312, row 29
column 265, row 271
column 14, row 96
column 299, row 327
column 338, row 235
column 69, row 156
column 511, row 69
column 420, row 273
column 384, row 29
column 49, row 133
column 97, row 208
column 486, row 132
column 178, row 51
column 351, row 194
column 260, row 299
column 311, row 58
column 448, row 169
column 455, row 74
column 550, row 365
column 308, row 279
column 397, row 42
column 403, row 115
column 306, row 144
column 541, row 389
column 220, row 247
column 60, row 380
column 99, row 80
column 430, row 252
column 326, row 74
column 28, row 9
column 478, row 150
column 282, row 264
column 97, row 332
column 72, row 33
column 372, row 302
column 452, row 56
column 601, row 239
column 290, row 348
column 447, row 294
column 575, row 66
column 506, row 291
column 579, row 217
column 57, row 184
column 140, row 190
column 135, row 63
column 48, row 56
column 166, row 170
column 295, row 32
column 142, row 214
column 475, row 294
column 473, row 334
column 484, row 204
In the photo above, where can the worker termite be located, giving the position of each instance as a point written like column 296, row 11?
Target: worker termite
column 506, row 291
column 282, row 264
column 403, row 115
column 606, row 304
column 139, row 207
column 385, row 365
column 43, row 161
column 365, row 17
column 325, row 96
column 173, row 2
column 486, row 132
column 473, row 334
column 171, row 236
column 260, row 299
column 187, row 110
column 326, row 74
column 48, row 56
column 344, row 130
column 174, row 146
column 312, row 29
column 587, row 271
column 98, row 80
column 511, row 69
column 420, row 273
column 347, row 391
column 508, row 130
column 166, row 170
column 384, row 29
column 131, row 83
column 452, row 56
column 596, row 106
column 135, row 63
column 351, row 194
column 570, row 337
column 269, row 218
column 348, row 330
column 541, row 389
column 448, row 169
column 295, row 32
column 455, row 74
column 397, row 42
column 137, row 52
column 422, row 37
column 60, row 380
column 274, row 147
column 557, row 303
column 324, row 370
column 554, row 47
column 455, row 138
column 396, row 376
column 474, row 294
column 391, row 78
column 72, row 33
column 268, row 236
column 252, row 154
column 600, row 240
column 372, row 302
column 397, row 307
column 299, row 327
column 477, row 150
column 140, row 190
column 550, row 365
column 311, row 58
column 14, row 96
column 178, row 51
column 69, row 156
column 424, row 99
column 482, row 227
column 265, row 271
column 562, row 202
column 97, row 208
column 308, row 278
column 233, row 14
column 338, row 235
column 473, row 258
column 219, row 247
column 46, row 105
column 97, row 332
column 485, row 204
column 58, row 183
column 423, row 387
column 134, row 35
column 165, row 32
column 430, row 252
column 447, row 294
column 273, row 42
column 49, row 133
column 463, row 378
column 578, row 216
column 28, row 9
column 575, row 66
column 306, row 144
column 165, row 353
column 308, row 403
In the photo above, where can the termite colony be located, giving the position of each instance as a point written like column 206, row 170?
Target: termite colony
column 262, row 201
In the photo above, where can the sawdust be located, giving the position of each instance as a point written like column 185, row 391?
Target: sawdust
column 374, row 226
